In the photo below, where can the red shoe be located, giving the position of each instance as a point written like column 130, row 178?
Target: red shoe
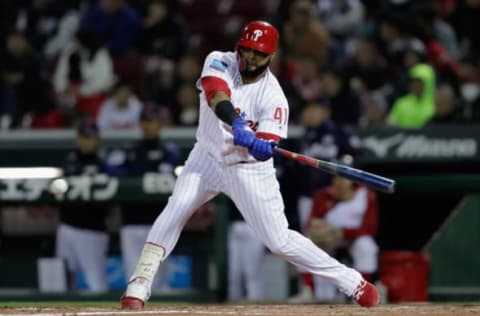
column 136, row 295
column 366, row 294
column 131, row 303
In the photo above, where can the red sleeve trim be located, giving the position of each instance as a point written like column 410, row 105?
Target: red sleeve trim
column 211, row 85
column 268, row 136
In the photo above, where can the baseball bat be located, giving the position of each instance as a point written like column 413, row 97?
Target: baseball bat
column 370, row 180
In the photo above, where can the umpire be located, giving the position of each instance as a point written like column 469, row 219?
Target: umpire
column 148, row 154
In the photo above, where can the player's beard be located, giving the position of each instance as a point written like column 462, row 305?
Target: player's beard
column 252, row 74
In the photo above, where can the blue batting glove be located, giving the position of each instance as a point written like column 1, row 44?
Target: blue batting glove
column 262, row 149
column 242, row 134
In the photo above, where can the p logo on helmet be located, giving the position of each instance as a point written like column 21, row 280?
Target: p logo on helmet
column 257, row 34
column 261, row 36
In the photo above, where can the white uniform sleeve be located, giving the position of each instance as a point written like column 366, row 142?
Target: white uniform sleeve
column 217, row 64
column 274, row 114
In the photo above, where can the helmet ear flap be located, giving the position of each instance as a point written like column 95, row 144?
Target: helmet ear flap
column 261, row 36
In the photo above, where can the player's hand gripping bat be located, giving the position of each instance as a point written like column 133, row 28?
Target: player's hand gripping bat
column 367, row 179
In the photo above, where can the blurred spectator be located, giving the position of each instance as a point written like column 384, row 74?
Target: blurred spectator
column 415, row 108
column 115, row 22
column 39, row 21
column 469, row 69
column 374, row 109
column 302, row 84
column 148, row 155
column 474, row 111
column 412, row 53
column 9, row 11
column 469, row 74
column 67, row 27
column 283, row 68
column 121, row 110
column 367, row 69
column 345, row 103
column 25, row 89
column 164, row 77
column 188, row 69
column 306, row 80
column 187, row 106
column 344, row 217
column 303, row 35
column 432, row 28
column 160, row 80
column 445, row 64
column 163, row 40
column 84, row 74
column 447, row 108
column 246, row 255
column 342, row 18
column 163, row 33
column 323, row 140
column 466, row 14
column 444, row 7
column 282, row 12
column 392, row 31
column 82, row 238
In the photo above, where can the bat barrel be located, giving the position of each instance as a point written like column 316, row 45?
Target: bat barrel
column 367, row 179
column 370, row 180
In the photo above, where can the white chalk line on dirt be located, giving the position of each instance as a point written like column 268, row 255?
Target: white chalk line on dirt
column 141, row 312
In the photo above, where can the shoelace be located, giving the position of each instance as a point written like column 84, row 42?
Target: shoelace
column 359, row 290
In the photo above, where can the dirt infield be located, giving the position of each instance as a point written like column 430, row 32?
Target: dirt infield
column 257, row 310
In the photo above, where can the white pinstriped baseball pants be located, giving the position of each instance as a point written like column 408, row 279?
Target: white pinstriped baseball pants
column 254, row 189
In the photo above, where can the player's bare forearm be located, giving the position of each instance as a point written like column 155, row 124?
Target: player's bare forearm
column 217, row 98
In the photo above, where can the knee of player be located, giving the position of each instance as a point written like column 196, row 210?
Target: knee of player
column 180, row 203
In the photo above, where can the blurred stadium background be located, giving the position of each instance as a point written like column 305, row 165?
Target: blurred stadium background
column 429, row 232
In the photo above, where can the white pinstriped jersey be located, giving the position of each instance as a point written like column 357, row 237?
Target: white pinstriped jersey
column 212, row 168
column 262, row 103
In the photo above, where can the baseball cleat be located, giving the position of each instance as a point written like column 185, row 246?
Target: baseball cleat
column 366, row 294
column 131, row 303
column 136, row 295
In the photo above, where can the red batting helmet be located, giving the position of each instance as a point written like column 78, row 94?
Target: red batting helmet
column 261, row 36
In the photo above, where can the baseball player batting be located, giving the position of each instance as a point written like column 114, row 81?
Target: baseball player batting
column 243, row 115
